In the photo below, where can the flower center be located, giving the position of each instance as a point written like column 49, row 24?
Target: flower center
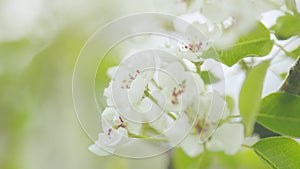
column 121, row 125
column 187, row 2
column 127, row 82
column 201, row 126
column 177, row 91
column 192, row 47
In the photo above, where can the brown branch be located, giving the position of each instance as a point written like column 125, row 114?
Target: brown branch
column 292, row 81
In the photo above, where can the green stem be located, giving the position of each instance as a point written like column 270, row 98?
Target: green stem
column 282, row 48
column 155, row 84
column 235, row 116
column 147, row 128
column 147, row 138
column 198, row 66
column 246, row 146
column 292, row 82
column 147, row 94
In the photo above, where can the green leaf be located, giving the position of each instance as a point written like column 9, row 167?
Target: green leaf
column 292, row 6
column 279, row 152
column 183, row 161
column 230, row 103
column 255, row 43
column 295, row 53
column 280, row 112
column 287, row 26
column 250, row 95
column 208, row 77
column 283, row 75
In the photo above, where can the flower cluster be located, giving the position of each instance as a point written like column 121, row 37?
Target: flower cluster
column 159, row 96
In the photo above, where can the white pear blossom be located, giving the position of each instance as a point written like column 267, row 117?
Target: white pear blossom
column 226, row 136
column 232, row 21
column 177, row 6
column 127, row 88
column 164, row 93
column 193, row 50
column 179, row 87
column 115, row 133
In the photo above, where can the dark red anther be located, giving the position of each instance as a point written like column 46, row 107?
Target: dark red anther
column 121, row 120
column 109, row 133
column 199, row 46
column 121, row 125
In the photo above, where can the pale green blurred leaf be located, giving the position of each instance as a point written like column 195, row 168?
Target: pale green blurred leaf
column 208, row 77
column 183, row 161
column 283, row 75
column 279, row 152
column 280, row 112
column 292, row 6
column 230, row 103
column 250, row 96
column 244, row 159
column 255, row 43
column 295, row 53
column 287, row 26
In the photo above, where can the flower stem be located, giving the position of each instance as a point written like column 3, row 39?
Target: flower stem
column 147, row 94
column 147, row 138
column 282, row 48
column 198, row 66
column 155, row 84
column 246, row 146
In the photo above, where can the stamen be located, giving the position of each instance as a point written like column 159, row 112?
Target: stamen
column 177, row 91
column 121, row 120
column 109, row 133
column 201, row 126
column 122, row 125
column 192, row 47
column 127, row 83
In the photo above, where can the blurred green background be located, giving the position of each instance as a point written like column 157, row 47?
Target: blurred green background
column 39, row 43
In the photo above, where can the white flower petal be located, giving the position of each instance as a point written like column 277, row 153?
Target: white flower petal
column 109, row 95
column 228, row 138
column 191, row 146
column 179, row 129
column 171, row 75
column 163, row 123
column 96, row 149
column 112, row 71
column 136, row 91
column 109, row 117
column 113, row 137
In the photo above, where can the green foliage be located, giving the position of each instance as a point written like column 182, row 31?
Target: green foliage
column 255, row 43
column 280, row 112
column 230, row 103
column 245, row 159
column 292, row 6
column 279, row 152
column 250, row 96
column 287, row 26
column 183, row 161
column 208, row 77
column 295, row 53
column 283, row 75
